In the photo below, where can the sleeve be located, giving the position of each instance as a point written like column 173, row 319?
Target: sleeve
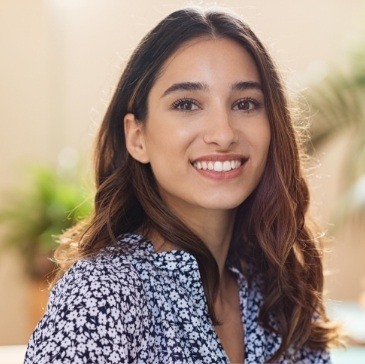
column 306, row 355
column 94, row 315
column 309, row 356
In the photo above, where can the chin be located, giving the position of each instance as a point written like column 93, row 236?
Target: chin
column 222, row 205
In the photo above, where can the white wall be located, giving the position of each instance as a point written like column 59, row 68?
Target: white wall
column 25, row 134
column 61, row 58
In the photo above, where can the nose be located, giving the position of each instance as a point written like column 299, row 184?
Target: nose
column 219, row 129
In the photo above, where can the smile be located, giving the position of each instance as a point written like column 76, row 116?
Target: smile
column 218, row 166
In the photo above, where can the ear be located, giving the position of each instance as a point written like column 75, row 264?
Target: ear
column 134, row 138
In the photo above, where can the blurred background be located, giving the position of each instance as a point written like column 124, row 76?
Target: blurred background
column 60, row 61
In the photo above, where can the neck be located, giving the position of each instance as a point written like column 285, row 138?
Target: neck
column 213, row 227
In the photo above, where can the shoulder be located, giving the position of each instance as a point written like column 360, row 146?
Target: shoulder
column 97, row 311
column 307, row 355
column 269, row 338
column 110, row 272
column 100, row 278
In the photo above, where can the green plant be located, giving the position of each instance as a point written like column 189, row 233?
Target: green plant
column 33, row 215
column 337, row 106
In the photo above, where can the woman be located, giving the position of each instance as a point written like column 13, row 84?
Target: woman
column 198, row 250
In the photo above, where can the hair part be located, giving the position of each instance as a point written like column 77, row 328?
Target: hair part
column 270, row 230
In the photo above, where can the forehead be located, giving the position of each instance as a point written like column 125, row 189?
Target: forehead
column 210, row 60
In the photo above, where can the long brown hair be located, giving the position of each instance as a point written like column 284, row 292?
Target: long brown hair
column 270, row 231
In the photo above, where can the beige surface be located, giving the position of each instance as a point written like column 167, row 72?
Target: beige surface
column 12, row 354
column 60, row 59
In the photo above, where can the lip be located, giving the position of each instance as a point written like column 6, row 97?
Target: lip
column 211, row 174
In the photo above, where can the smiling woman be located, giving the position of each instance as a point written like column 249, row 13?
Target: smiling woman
column 198, row 250
column 206, row 109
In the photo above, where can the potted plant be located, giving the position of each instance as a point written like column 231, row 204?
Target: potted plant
column 34, row 214
column 337, row 107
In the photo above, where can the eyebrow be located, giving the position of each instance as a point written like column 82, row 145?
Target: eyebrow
column 186, row 86
column 246, row 85
column 198, row 86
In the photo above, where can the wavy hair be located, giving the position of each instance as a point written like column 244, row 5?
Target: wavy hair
column 270, row 231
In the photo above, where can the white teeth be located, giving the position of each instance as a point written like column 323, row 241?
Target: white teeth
column 218, row 166
column 226, row 166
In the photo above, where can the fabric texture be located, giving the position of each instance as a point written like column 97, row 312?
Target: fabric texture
column 140, row 306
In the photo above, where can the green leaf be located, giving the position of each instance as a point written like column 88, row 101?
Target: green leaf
column 49, row 204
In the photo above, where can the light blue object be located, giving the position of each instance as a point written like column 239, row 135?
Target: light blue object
column 351, row 355
column 351, row 316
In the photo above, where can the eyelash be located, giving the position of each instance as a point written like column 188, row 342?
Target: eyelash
column 256, row 104
column 187, row 101
column 178, row 103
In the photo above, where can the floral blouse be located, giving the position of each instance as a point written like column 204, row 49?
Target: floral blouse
column 145, row 307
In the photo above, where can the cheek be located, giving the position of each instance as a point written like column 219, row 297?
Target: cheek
column 266, row 140
column 167, row 154
column 169, row 139
column 260, row 138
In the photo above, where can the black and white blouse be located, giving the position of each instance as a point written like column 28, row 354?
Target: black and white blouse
column 145, row 307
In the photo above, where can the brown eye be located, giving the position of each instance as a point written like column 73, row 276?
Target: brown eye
column 246, row 105
column 185, row 105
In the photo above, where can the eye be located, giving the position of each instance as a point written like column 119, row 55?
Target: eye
column 247, row 105
column 185, row 105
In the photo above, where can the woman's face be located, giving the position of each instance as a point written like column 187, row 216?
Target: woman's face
column 207, row 134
